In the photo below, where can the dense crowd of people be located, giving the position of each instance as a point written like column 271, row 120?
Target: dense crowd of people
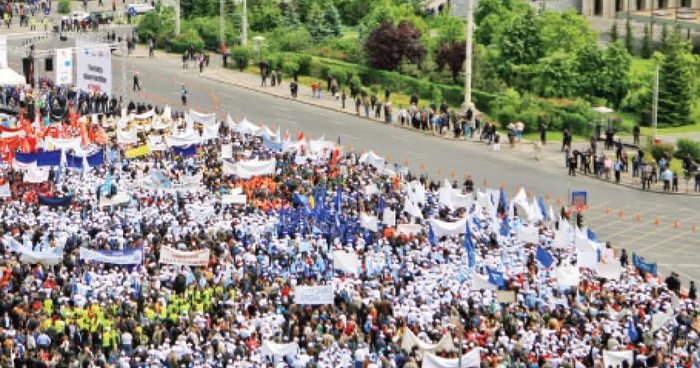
column 240, row 309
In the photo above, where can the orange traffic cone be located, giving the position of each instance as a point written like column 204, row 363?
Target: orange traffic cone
column 486, row 183
column 407, row 162
column 675, row 224
column 439, row 171
column 638, row 218
column 422, row 166
column 694, row 228
column 453, row 174
column 656, row 221
column 622, row 213
column 547, row 198
column 607, row 210
column 503, row 186
column 558, row 200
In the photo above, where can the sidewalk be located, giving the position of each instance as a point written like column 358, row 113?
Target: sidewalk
column 551, row 153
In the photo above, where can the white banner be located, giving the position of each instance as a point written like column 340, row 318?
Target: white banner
column 226, row 151
column 94, row 66
column 249, row 169
column 568, row 275
column 372, row 159
column 469, row 360
column 127, row 257
column 271, row 349
column 313, row 295
column 346, row 262
column 64, row 143
column 64, row 66
column 172, row 256
column 36, row 174
column 201, row 118
column 587, row 259
column 408, row 229
column 611, row 270
column 529, row 234
column 51, row 256
column 410, row 340
column 3, row 52
column 615, row 358
column 234, row 199
column 369, row 222
column 127, row 136
column 389, row 217
column 443, row 228
column 5, row 191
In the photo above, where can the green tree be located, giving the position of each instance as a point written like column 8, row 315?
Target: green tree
column 291, row 17
column 589, row 67
column 521, row 44
column 616, row 74
column 352, row 11
column 556, row 76
column 646, row 50
column 629, row 39
column 332, row 19
column 316, row 24
column 614, row 34
column 677, row 72
column 664, row 38
column 564, row 31
column 265, row 16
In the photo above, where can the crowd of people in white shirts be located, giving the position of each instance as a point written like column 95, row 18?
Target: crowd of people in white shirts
column 415, row 299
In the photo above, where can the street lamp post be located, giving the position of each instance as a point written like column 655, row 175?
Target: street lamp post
column 177, row 17
column 656, row 102
column 222, row 27
column 244, row 24
column 468, row 61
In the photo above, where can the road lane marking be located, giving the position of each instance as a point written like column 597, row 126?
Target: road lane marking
column 280, row 108
column 402, row 139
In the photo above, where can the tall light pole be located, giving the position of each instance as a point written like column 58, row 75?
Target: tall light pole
column 222, row 27
column 177, row 17
column 656, row 102
column 468, row 60
column 244, row 24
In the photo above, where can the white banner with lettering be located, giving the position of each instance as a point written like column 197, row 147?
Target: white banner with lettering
column 64, row 66
column 94, row 66
column 3, row 52
column 173, row 256
column 469, row 360
column 120, row 257
column 313, row 295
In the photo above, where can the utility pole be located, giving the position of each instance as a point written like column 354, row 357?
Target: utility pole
column 244, row 24
column 656, row 101
column 124, row 87
column 177, row 17
column 468, row 60
column 222, row 27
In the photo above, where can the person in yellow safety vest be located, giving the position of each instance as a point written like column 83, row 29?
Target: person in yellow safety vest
column 32, row 24
column 6, row 17
column 109, row 339
column 48, row 306
column 45, row 21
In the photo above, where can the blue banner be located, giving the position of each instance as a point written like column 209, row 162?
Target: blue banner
column 272, row 145
column 190, row 150
column 96, row 159
column 544, row 257
column 643, row 265
column 496, row 278
column 50, row 158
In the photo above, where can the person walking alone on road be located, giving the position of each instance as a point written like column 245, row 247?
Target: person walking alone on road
column 137, row 85
column 184, row 60
column 183, row 95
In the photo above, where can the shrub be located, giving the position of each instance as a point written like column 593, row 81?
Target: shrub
column 241, row 57
column 685, row 146
column 304, row 62
column 530, row 119
column 64, row 7
column 356, row 79
column 296, row 40
column 182, row 41
column 575, row 122
column 339, row 74
column 506, row 115
column 658, row 150
column 289, row 67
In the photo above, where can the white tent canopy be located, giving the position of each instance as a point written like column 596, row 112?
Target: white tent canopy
column 11, row 77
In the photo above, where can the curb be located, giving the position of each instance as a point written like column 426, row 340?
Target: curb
column 311, row 103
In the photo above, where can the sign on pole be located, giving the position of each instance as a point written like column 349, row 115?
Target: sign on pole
column 64, row 66
column 579, row 199
column 94, row 67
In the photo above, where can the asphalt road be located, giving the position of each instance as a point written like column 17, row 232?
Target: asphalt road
column 623, row 216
